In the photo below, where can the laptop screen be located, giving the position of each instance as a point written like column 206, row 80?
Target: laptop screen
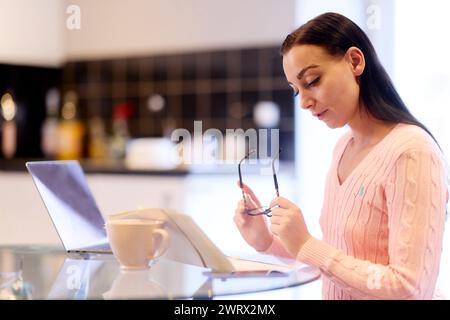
column 69, row 201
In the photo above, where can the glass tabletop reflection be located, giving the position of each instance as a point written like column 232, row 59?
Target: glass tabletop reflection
column 38, row 272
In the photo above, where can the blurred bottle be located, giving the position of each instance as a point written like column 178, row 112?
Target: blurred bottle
column 49, row 142
column 70, row 130
column 9, row 128
column 121, row 134
column 98, row 144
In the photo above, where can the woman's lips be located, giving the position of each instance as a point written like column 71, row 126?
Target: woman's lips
column 322, row 115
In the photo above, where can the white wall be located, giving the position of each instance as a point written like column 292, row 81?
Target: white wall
column 35, row 32
column 31, row 32
column 135, row 27
column 422, row 64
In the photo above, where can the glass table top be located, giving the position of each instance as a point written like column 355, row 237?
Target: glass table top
column 39, row 272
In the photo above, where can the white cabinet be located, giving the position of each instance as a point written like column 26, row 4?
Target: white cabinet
column 24, row 219
column 33, row 32
column 117, row 193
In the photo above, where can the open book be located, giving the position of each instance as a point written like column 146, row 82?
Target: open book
column 190, row 245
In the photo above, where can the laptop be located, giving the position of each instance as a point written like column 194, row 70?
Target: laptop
column 66, row 195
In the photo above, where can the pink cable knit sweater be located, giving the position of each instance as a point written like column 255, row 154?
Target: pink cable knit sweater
column 383, row 226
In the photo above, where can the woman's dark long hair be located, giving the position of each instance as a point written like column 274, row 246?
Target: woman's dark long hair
column 337, row 34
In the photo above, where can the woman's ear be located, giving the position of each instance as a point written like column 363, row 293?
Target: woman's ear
column 356, row 59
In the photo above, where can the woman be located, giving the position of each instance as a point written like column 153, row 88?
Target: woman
column 385, row 200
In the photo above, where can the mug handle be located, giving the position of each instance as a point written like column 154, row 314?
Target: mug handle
column 164, row 242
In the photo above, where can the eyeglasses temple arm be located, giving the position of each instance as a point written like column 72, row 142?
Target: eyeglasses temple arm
column 275, row 181
column 241, row 185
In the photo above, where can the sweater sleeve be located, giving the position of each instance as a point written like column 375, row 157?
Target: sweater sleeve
column 277, row 249
column 416, row 199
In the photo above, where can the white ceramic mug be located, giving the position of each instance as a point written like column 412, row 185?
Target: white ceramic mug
column 136, row 242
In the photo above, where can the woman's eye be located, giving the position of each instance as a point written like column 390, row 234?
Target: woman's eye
column 312, row 83
column 295, row 90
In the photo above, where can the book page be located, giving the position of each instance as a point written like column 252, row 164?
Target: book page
column 250, row 265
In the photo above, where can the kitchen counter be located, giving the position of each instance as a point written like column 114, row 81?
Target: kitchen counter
column 94, row 166
column 119, row 167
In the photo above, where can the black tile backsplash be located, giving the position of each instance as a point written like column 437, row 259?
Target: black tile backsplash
column 218, row 67
column 219, row 87
column 249, row 59
column 28, row 86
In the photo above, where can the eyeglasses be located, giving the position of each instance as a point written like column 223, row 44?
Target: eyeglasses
column 264, row 209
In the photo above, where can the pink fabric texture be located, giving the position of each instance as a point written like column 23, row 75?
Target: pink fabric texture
column 383, row 226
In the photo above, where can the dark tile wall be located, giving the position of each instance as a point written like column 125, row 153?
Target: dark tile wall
column 218, row 87
column 28, row 85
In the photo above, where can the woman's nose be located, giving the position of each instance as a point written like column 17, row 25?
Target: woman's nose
column 306, row 101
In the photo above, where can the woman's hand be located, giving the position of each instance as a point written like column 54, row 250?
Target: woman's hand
column 289, row 225
column 253, row 229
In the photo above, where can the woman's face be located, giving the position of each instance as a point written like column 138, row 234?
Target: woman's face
column 326, row 85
